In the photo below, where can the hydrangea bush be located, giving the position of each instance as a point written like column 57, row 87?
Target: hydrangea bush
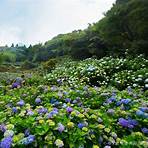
column 75, row 113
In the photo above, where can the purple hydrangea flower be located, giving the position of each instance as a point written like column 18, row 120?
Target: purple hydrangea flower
column 133, row 122
column 30, row 113
column 38, row 101
column 111, row 111
column 67, row 100
column 2, row 128
column 130, row 123
column 15, row 85
column 52, row 113
column 42, row 110
column 21, row 103
column 61, row 127
column 69, row 109
column 6, row 142
column 123, row 122
column 145, row 130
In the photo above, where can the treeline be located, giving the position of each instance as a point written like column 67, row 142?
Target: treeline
column 123, row 29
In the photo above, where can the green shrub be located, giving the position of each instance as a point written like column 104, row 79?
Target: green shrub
column 28, row 65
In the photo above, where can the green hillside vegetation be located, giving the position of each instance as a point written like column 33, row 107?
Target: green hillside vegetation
column 124, row 26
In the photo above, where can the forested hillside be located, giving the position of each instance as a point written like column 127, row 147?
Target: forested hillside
column 124, row 26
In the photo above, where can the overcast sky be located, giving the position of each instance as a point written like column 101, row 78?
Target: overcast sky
column 34, row 21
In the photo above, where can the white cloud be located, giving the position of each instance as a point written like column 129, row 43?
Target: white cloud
column 40, row 20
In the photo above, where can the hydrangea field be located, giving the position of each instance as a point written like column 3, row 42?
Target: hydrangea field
column 80, row 104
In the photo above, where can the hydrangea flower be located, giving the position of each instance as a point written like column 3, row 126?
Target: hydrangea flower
column 30, row 113
column 8, row 133
column 27, row 132
column 2, row 127
column 144, row 109
column 123, row 122
column 6, row 142
column 111, row 99
column 59, row 143
column 42, row 110
column 81, row 125
column 38, row 100
column 14, row 110
column 52, row 113
column 69, row 109
column 21, row 103
column 15, row 85
column 126, row 101
column 67, row 100
column 74, row 101
column 111, row 111
column 130, row 123
column 61, row 127
column 144, row 130
column 28, row 140
column 141, row 114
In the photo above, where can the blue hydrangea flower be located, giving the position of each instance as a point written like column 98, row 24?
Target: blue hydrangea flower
column 111, row 99
column 52, row 113
column 52, row 101
column 144, row 130
column 74, row 101
column 6, row 142
column 81, row 125
column 21, row 103
column 27, row 132
column 38, row 100
column 14, row 110
column 28, row 140
column 42, row 110
column 141, row 114
column 125, row 101
column 144, row 109
column 31, row 138
column 67, row 100
column 133, row 122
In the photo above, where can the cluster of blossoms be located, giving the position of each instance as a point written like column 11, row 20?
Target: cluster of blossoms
column 130, row 123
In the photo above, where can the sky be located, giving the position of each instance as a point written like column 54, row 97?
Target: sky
column 37, row 21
